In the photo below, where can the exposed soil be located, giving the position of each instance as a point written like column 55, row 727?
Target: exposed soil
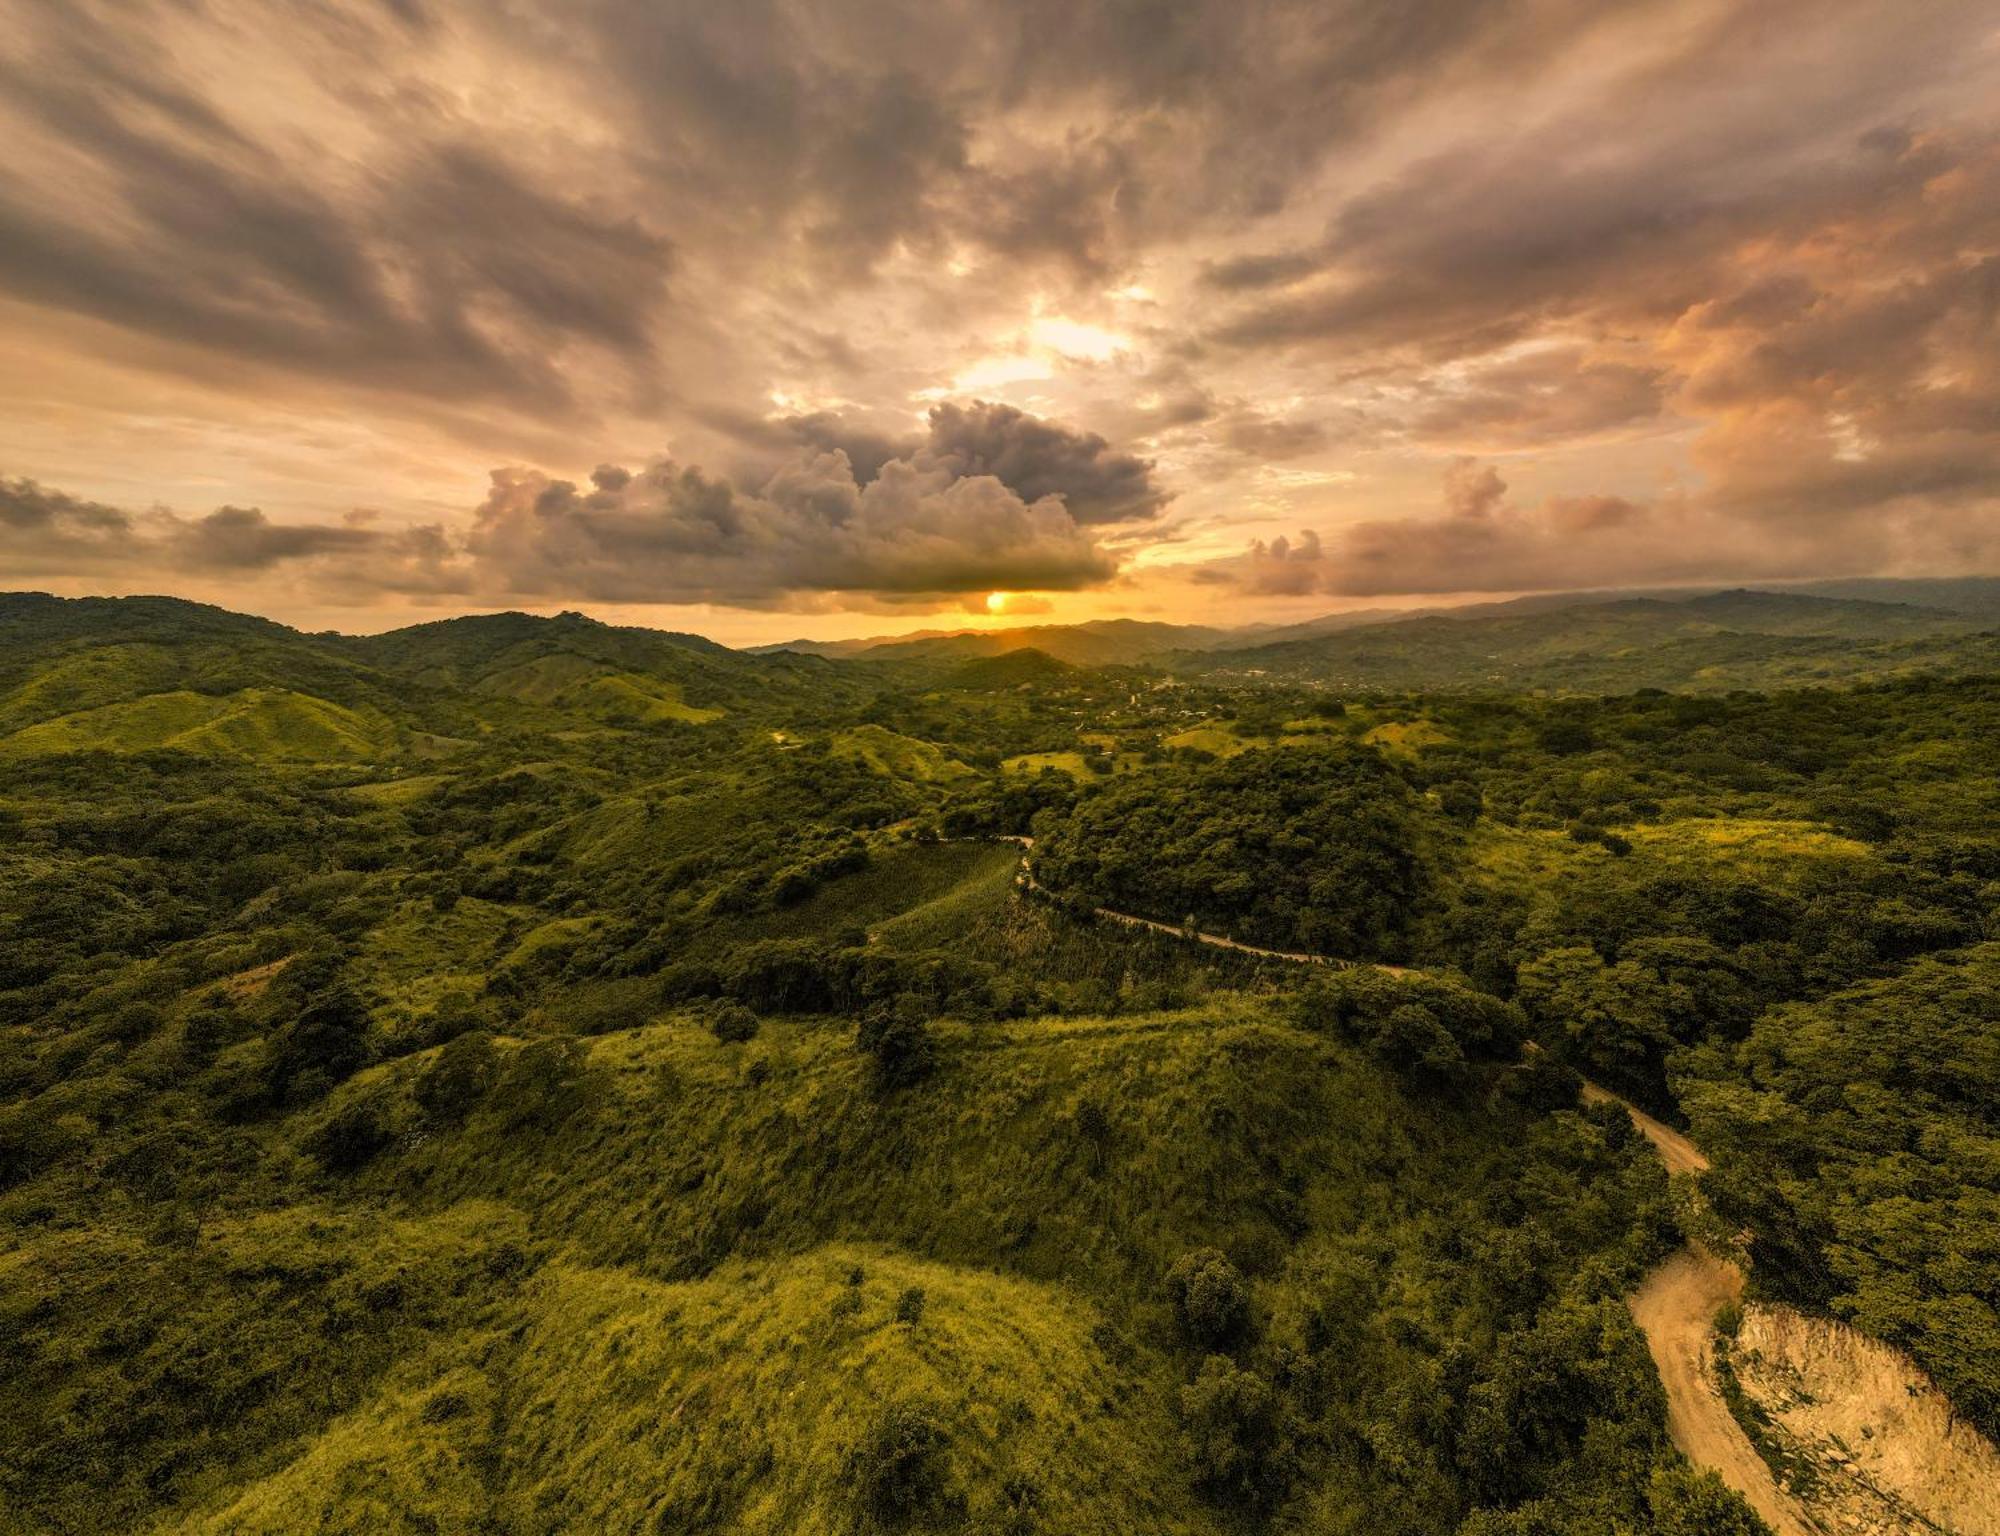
column 1886, row 1455
column 1675, row 1308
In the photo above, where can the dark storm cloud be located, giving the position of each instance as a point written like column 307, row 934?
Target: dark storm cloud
column 674, row 534
column 1032, row 457
column 244, row 539
column 916, row 529
column 1035, row 458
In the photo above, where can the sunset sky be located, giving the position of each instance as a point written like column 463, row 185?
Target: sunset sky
column 835, row 317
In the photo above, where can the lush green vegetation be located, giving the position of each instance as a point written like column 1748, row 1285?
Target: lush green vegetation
column 529, row 1076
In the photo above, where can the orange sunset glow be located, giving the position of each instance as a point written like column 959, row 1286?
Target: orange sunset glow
column 778, row 318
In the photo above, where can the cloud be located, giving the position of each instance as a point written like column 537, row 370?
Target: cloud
column 672, row 534
column 1551, row 394
column 921, row 530
column 386, row 247
column 1481, row 541
column 43, row 531
column 244, row 539
column 46, row 532
column 1032, row 457
column 444, row 268
column 1035, row 458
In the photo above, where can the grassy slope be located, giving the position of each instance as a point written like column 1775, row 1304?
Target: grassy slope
column 681, row 1344
column 613, row 1403
column 263, row 724
column 898, row 757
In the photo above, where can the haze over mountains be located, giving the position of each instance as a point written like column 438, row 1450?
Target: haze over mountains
column 1588, row 642
column 135, row 673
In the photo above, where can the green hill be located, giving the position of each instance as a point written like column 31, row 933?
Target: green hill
column 617, row 674
column 442, row 1090
column 1712, row 642
column 267, row 725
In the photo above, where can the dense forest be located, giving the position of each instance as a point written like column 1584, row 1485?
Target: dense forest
column 524, row 1075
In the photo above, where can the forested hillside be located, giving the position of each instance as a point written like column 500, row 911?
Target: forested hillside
column 526, row 1075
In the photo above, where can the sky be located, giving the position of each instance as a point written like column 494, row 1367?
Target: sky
column 840, row 317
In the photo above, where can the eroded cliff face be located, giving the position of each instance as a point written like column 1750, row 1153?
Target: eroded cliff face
column 1869, row 1445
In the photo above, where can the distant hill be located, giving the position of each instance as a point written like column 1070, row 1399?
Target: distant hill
column 62, row 656
column 1715, row 641
column 1098, row 643
column 1012, row 669
column 145, row 674
column 613, row 672
column 1974, row 596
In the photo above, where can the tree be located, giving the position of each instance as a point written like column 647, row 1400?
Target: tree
column 326, row 1044
column 902, row 1470
column 349, row 1137
column 1413, row 1042
column 1210, row 1300
column 1690, row 1503
column 448, row 1089
column 1229, row 1425
column 732, row 1023
column 898, row 1044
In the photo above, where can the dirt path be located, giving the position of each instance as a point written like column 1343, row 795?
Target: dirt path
column 1676, row 1151
column 1675, row 1308
column 1675, row 1305
column 1028, row 882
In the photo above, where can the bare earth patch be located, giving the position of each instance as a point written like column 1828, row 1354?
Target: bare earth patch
column 1885, row 1453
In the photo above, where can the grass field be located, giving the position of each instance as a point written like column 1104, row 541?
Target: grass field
column 900, row 757
column 264, row 724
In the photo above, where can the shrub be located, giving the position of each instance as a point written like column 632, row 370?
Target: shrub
column 326, row 1044
column 901, row 1469
column 1229, row 1424
column 348, row 1138
column 899, row 1046
column 733, row 1024
column 449, row 1088
column 1210, row 1300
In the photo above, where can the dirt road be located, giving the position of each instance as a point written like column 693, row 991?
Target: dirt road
column 1675, row 1308
column 1028, row 882
column 1676, row 1151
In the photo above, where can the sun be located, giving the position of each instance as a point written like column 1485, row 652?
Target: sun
column 996, row 602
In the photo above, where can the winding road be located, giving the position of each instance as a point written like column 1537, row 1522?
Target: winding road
column 1674, row 1306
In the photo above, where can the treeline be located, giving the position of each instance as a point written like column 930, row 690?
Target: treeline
column 1320, row 850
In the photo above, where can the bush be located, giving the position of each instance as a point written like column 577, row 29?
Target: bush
column 1229, row 1424
column 325, row 1045
column 448, row 1089
column 1414, row 1043
column 901, row 1469
column 1210, row 1300
column 1690, row 1503
column 544, row 1084
column 348, row 1138
column 899, row 1046
column 733, row 1024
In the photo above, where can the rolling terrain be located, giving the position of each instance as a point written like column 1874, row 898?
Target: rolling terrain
column 531, row 1075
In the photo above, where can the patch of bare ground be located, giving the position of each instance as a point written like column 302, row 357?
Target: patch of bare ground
column 1881, row 1450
